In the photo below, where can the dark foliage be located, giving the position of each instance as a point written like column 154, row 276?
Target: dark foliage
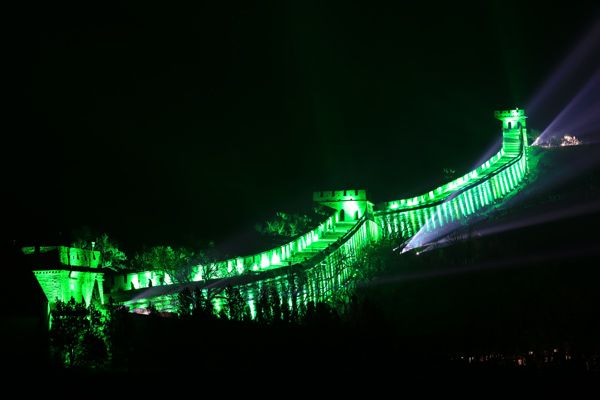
column 78, row 336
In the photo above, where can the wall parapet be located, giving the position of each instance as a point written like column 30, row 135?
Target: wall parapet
column 348, row 229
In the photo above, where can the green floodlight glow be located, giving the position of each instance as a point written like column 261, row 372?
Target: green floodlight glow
column 275, row 260
column 240, row 266
column 264, row 261
column 352, row 226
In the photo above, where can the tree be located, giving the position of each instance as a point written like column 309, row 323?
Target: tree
column 294, row 288
column 185, row 302
column 209, row 269
column 532, row 136
column 393, row 235
column 177, row 263
column 263, row 309
column 449, row 174
column 111, row 256
column 285, row 225
column 203, row 306
column 286, row 310
column 83, row 237
column 237, row 307
column 342, row 275
column 152, row 310
column 78, row 335
column 274, row 304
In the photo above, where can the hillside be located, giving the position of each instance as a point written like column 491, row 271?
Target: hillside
column 527, row 281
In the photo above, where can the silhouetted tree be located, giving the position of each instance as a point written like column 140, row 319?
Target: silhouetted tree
column 286, row 225
column 152, row 310
column 263, row 311
column 111, row 256
column 184, row 302
column 203, row 306
column 178, row 263
column 78, row 335
column 286, row 311
column 393, row 236
column 274, row 304
column 237, row 307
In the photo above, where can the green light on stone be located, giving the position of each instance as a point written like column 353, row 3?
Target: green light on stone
column 508, row 167
column 508, row 179
column 264, row 260
column 471, row 202
column 275, row 260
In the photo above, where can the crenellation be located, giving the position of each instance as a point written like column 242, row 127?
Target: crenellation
column 352, row 225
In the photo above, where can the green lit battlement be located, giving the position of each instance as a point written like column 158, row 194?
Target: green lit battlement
column 464, row 196
column 297, row 251
column 353, row 224
column 64, row 272
column 352, row 204
column 69, row 256
column 513, row 146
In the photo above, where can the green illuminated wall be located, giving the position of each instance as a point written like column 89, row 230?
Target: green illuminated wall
column 464, row 196
column 514, row 145
column 70, row 256
column 74, row 278
column 296, row 251
column 353, row 203
column 325, row 252
column 465, row 203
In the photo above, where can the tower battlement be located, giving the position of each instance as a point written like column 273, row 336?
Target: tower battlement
column 340, row 195
column 511, row 119
column 509, row 113
column 353, row 203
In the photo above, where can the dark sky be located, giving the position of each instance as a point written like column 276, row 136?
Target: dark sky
column 158, row 123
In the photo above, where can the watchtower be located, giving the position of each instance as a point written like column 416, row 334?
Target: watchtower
column 65, row 272
column 512, row 119
column 513, row 125
column 514, row 131
column 352, row 203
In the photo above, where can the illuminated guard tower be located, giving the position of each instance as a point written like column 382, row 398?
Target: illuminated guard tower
column 352, row 225
column 68, row 272
column 352, row 204
column 513, row 128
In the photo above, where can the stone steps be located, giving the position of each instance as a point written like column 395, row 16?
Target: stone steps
column 316, row 247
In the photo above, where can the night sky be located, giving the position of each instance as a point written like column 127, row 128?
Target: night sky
column 157, row 124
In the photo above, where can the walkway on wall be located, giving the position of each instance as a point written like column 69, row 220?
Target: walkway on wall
column 493, row 180
column 328, row 239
